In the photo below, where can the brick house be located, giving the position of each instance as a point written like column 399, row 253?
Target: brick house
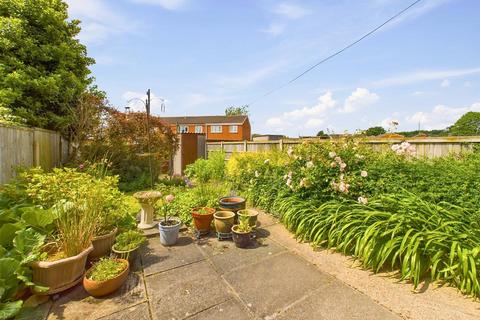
column 215, row 128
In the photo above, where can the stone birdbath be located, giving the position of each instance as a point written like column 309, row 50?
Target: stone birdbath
column 146, row 200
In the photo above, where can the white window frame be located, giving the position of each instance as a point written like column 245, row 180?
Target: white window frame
column 198, row 129
column 182, row 127
column 216, row 129
column 233, row 128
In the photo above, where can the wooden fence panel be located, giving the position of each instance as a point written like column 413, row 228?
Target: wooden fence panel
column 28, row 147
column 430, row 147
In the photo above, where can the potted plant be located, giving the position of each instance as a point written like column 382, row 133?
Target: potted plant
column 102, row 244
column 202, row 218
column 169, row 227
column 224, row 221
column 251, row 214
column 232, row 203
column 127, row 244
column 242, row 232
column 105, row 276
column 64, row 260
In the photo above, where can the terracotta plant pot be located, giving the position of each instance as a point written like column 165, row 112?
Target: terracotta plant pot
column 241, row 239
column 251, row 214
column 62, row 274
column 224, row 221
column 103, row 288
column 203, row 221
column 129, row 255
column 102, row 245
column 232, row 203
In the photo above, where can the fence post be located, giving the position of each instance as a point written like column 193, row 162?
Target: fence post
column 36, row 150
column 245, row 145
column 281, row 144
column 221, row 145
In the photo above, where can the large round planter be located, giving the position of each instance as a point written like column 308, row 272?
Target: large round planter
column 169, row 234
column 102, row 245
column 251, row 214
column 224, row 221
column 103, row 288
column 62, row 274
column 129, row 255
column 203, row 221
column 232, row 203
column 241, row 239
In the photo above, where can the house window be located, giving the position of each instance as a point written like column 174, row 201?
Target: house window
column 198, row 129
column 216, row 129
column 233, row 129
column 183, row 129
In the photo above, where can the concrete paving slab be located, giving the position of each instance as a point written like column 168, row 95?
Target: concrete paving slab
column 137, row 312
column 77, row 304
column 185, row 291
column 265, row 220
column 231, row 310
column 226, row 256
column 337, row 302
column 157, row 258
column 273, row 284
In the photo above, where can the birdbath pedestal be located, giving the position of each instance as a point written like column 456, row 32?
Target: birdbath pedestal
column 146, row 200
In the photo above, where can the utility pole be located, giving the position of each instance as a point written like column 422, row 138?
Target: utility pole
column 147, row 106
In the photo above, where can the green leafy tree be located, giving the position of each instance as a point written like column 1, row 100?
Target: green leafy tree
column 468, row 124
column 43, row 67
column 321, row 133
column 237, row 111
column 375, row 131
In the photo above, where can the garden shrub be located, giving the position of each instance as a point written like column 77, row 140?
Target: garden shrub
column 204, row 170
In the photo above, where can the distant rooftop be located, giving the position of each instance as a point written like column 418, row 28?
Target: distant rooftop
column 205, row 119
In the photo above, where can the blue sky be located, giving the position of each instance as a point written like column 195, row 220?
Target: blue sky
column 202, row 56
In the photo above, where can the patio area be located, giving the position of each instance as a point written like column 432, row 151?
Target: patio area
column 211, row 279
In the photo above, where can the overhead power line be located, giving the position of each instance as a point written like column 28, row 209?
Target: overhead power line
column 336, row 53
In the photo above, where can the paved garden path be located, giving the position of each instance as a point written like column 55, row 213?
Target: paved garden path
column 211, row 279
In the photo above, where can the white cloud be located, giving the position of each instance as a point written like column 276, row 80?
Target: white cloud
column 418, row 93
column 274, row 29
column 441, row 116
column 132, row 100
column 166, row 4
column 360, row 98
column 445, row 83
column 298, row 117
column 248, row 78
column 421, row 76
column 290, row 11
column 99, row 20
column 314, row 123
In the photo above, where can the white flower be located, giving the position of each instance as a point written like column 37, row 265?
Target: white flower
column 285, row 177
column 290, row 151
column 304, row 182
column 169, row 198
column 342, row 187
column 338, row 159
column 359, row 156
column 332, row 154
column 395, row 147
column 310, row 164
column 363, row 200
column 257, row 174
column 333, row 164
column 289, row 182
column 364, row 173
column 341, row 176
column 266, row 161
column 343, row 165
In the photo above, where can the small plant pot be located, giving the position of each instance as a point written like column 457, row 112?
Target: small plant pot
column 232, row 203
column 203, row 221
column 224, row 221
column 241, row 239
column 130, row 255
column 102, row 245
column 169, row 233
column 252, row 216
column 60, row 275
column 103, row 288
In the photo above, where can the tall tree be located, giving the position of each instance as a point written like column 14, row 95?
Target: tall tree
column 375, row 131
column 43, row 67
column 467, row 125
column 237, row 111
